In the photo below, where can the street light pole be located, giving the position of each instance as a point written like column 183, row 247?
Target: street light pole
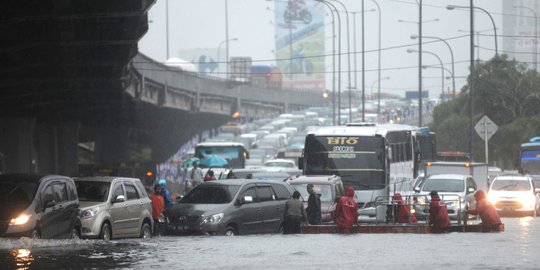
column 535, row 62
column 167, row 28
column 451, row 55
column 379, row 63
column 440, row 61
column 452, row 7
column 419, row 63
column 348, row 55
column 334, row 59
column 227, row 39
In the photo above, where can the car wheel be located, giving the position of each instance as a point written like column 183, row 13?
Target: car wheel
column 105, row 233
column 35, row 234
column 146, row 231
column 75, row 233
column 230, row 231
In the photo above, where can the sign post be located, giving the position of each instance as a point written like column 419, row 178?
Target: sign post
column 485, row 128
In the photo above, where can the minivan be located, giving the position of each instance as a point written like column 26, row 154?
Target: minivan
column 231, row 207
column 114, row 207
column 38, row 206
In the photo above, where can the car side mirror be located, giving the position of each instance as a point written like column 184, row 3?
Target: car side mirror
column 417, row 189
column 470, row 190
column 119, row 198
column 178, row 199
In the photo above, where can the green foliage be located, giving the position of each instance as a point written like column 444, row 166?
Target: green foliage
column 508, row 93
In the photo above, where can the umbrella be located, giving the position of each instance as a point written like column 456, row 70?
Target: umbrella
column 189, row 162
column 214, row 161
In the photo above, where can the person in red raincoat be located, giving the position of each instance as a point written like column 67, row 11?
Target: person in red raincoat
column 491, row 221
column 347, row 211
column 401, row 211
column 438, row 214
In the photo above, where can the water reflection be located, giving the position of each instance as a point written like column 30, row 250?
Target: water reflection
column 23, row 258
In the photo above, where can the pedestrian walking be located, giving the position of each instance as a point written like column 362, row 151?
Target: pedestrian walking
column 314, row 206
column 166, row 195
column 293, row 215
column 491, row 222
column 347, row 211
column 438, row 214
column 195, row 176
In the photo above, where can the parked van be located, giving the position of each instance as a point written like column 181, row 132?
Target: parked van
column 38, row 206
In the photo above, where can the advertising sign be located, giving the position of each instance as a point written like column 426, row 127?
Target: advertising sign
column 300, row 44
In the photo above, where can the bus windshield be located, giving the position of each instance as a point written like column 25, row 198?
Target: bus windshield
column 359, row 160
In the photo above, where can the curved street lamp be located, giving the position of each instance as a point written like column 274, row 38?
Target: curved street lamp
column 452, row 7
column 451, row 55
column 442, row 65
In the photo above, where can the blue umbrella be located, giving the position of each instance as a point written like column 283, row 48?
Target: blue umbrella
column 214, row 161
column 189, row 162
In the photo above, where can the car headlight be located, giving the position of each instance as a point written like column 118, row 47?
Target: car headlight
column 213, row 218
column 20, row 219
column 527, row 201
column 493, row 199
column 421, row 200
column 89, row 213
column 457, row 202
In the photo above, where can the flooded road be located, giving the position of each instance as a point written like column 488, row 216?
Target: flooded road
column 516, row 248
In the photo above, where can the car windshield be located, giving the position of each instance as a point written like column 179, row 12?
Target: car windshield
column 19, row 193
column 211, row 194
column 92, row 191
column 444, row 185
column 324, row 190
column 511, row 185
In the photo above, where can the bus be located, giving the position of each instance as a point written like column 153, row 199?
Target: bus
column 234, row 153
column 529, row 157
column 377, row 160
column 427, row 146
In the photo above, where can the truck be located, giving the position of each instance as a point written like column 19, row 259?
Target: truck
column 479, row 171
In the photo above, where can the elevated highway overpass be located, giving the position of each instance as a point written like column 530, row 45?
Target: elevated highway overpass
column 74, row 90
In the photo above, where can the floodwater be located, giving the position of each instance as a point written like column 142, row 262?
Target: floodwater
column 516, row 248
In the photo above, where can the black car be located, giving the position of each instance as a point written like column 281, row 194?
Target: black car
column 38, row 206
column 231, row 207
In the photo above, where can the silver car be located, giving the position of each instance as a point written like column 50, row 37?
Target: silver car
column 456, row 190
column 114, row 207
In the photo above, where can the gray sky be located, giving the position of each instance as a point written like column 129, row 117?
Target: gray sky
column 201, row 24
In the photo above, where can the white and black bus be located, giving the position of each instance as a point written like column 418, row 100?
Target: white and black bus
column 377, row 160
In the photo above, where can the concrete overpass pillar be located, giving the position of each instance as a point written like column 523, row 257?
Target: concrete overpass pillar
column 56, row 148
column 16, row 144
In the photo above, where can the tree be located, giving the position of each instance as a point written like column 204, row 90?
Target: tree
column 505, row 91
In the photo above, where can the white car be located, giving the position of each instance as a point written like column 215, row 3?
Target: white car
column 514, row 194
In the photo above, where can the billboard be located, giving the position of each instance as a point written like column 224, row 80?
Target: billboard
column 300, row 44
column 206, row 60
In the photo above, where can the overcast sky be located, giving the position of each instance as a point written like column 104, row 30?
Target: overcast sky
column 201, row 24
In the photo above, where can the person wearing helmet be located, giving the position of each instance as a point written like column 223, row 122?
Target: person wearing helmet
column 166, row 194
column 491, row 221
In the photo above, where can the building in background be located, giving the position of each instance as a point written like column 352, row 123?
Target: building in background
column 519, row 31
